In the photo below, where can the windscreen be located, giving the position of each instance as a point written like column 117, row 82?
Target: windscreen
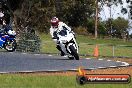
column 63, row 33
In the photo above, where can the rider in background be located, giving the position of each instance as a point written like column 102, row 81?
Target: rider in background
column 57, row 25
column 4, row 20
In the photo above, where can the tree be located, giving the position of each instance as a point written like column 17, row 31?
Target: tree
column 120, row 26
column 102, row 29
column 78, row 12
column 33, row 13
column 39, row 12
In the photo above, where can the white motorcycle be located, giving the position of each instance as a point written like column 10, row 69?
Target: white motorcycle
column 68, row 44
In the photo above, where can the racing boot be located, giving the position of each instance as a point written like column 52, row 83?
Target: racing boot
column 59, row 48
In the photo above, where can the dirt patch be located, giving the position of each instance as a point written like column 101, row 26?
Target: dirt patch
column 121, row 70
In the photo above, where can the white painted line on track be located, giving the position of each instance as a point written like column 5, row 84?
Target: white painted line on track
column 4, row 72
column 73, row 69
column 50, row 55
column 126, row 64
column 11, row 52
column 87, row 58
column 92, row 68
column 100, row 59
column 36, row 54
column 112, row 66
column 101, row 67
column 26, row 71
column 53, row 70
column 109, row 60
column 24, row 53
column 118, row 61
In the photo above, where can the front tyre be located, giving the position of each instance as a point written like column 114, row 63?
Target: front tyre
column 10, row 45
column 74, row 52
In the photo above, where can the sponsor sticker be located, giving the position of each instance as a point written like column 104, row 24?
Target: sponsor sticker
column 83, row 78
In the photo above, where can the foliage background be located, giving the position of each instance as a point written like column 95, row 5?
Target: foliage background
column 76, row 13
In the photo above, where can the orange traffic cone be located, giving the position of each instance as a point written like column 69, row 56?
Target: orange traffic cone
column 96, row 51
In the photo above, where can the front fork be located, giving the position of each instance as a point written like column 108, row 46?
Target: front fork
column 63, row 47
column 72, row 43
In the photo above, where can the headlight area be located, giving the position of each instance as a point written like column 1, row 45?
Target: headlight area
column 64, row 41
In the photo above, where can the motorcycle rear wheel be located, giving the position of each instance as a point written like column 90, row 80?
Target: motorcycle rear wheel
column 71, row 57
column 10, row 46
column 74, row 52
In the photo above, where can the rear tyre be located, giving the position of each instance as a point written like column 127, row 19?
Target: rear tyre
column 74, row 52
column 71, row 57
column 10, row 46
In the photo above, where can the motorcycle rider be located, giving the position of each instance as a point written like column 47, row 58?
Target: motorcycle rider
column 4, row 24
column 56, row 26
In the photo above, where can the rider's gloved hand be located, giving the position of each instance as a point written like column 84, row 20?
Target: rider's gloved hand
column 58, row 42
column 4, row 23
column 73, row 34
column 55, row 40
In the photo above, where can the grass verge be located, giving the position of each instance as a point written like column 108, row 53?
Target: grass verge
column 87, row 45
column 54, row 81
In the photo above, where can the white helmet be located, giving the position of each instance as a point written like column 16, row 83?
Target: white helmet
column 1, row 14
column 10, row 32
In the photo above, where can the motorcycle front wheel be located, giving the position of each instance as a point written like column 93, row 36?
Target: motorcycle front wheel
column 10, row 46
column 74, row 52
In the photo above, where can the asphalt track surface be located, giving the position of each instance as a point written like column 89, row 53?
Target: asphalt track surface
column 23, row 62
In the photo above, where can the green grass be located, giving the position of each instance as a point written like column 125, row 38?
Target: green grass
column 87, row 45
column 87, row 39
column 40, row 81
column 47, row 44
